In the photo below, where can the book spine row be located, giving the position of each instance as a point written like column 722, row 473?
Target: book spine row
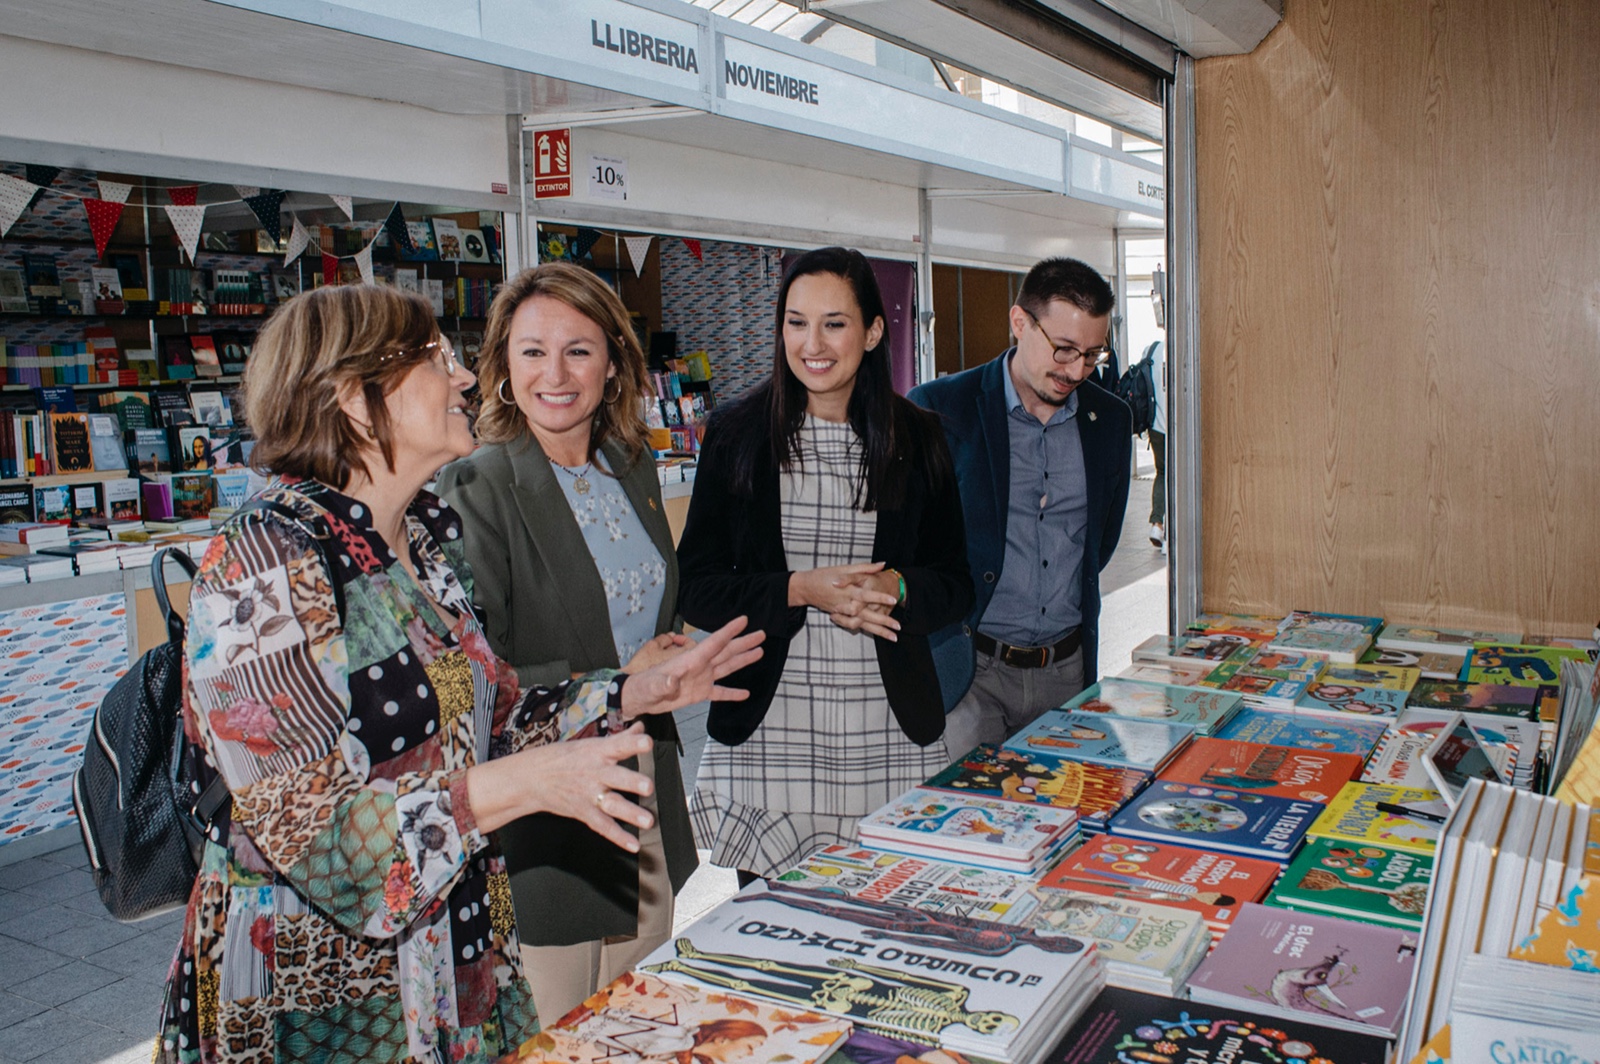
column 47, row 365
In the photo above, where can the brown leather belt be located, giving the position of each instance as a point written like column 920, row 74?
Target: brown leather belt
column 1029, row 657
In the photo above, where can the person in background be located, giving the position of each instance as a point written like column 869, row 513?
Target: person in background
column 826, row 510
column 1158, row 447
column 1042, row 454
column 350, row 903
column 568, row 540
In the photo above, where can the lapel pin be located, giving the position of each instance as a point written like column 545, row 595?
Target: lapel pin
column 1091, row 415
column 652, row 504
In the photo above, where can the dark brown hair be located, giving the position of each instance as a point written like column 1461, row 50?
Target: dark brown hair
column 621, row 418
column 315, row 348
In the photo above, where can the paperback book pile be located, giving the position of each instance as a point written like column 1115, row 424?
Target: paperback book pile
column 1508, row 1010
column 1194, row 648
column 1143, row 945
column 1099, row 738
column 641, row 1019
column 1335, row 636
column 1271, row 679
column 970, row 829
column 1307, row 966
column 914, row 883
column 980, row 989
column 1456, row 642
column 1124, row 1027
column 1094, row 792
column 1506, row 860
column 1204, row 710
column 1378, row 884
column 1214, row 885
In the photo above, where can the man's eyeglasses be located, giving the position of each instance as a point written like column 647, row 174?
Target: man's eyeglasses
column 1068, row 355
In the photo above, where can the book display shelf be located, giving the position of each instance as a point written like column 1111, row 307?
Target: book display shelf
column 129, row 307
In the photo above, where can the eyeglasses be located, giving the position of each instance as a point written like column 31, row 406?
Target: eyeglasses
column 1068, row 355
column 437, row 347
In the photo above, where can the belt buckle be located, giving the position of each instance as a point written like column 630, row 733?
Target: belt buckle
column 1027, row 657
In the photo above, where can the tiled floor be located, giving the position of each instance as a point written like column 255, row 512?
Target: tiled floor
column 79, row 988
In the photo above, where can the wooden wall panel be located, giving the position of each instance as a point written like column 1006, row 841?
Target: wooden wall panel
column 1399, row 267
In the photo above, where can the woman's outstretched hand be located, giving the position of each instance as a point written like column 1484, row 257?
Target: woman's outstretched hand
column 582, row 779
column 692, row 675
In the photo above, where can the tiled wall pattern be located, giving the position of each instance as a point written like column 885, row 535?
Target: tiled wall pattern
column 723, row 305
column 56, row 663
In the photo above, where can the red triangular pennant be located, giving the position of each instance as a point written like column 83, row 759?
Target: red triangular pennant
column 694, row 248
column 183, row 195
column 103, row 215
column 330, row 269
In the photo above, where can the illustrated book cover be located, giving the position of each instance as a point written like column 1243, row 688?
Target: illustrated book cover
column 1000, row 992
column 1205, row 710
column 913, row 882
column 1457, row 642
column 1094, row 792
column 69, row 442
column 1310, row 732
column 1107, row 740
column 1354, row 817
column 1124, row 1026
column 1517, row 665
column 1326, row 697
column 105, row 443
column 1501, row 700
column 1176, row 673
column 643, row 1019
column 1191, row 647
column 1374, row 883
column 1432, row 665
column 1312, row 967
column 1282, row 771
column 968, row 827
column 1212, row 884
column 1393, row 677
column 1211, row 818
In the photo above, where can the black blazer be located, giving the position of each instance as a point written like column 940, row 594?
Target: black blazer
column 731, row 561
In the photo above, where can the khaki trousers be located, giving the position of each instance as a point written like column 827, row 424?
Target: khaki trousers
column 563, row 976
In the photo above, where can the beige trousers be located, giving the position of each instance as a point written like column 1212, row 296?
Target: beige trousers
column 563, row 976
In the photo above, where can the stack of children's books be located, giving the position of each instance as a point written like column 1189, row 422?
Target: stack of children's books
column 989, row 833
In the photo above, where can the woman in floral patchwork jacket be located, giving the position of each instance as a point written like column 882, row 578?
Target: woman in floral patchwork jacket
column 350, row 905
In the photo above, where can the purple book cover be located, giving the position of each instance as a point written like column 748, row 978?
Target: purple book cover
column 1320, row 967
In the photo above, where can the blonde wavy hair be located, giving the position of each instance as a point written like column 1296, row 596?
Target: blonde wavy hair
column 620, row 418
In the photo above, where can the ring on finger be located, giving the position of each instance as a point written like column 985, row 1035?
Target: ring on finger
column 600, row 800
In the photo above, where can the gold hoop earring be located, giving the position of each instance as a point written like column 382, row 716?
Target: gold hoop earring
column 614, row 398
column 501, row 392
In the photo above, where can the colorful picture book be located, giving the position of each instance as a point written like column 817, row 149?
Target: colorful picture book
column 1307, row 966
column 1205, row 710
column 1506, row 700
column 1191, row 647
column 1176, row 673
column 1325, row 697
column 1398, row 758
column 997, row 992
column 969, row 828
column 1126, row 1027
column 1094, row 792
column 1203, row 881
column 1257, row 626
column 1393, row 677
column 1354, row 817
column 1457, row 642
column 1432, row 665
column 1335, row 636
column 1518, row 665
column 1269, row 677
column 642, row 1019
column 1144, row 945
column 1211, row 818
column 1379, row 884
column 69, row 441
column 914, row 883
column 1282, row 771
column 1311, row 732
column 1128, row 742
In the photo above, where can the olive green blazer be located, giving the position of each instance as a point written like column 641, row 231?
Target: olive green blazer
column 544, row 612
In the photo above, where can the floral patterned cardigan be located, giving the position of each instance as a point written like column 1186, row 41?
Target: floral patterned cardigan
column 352, row 910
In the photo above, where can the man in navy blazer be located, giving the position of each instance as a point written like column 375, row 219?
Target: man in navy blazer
column 1042, row 458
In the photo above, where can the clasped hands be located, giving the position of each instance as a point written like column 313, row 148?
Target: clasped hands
column 857, row 598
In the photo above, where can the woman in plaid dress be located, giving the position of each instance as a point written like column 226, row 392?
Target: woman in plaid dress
column 825, row 509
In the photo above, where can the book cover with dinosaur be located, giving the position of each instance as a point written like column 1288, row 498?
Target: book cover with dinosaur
column 1206, row 710
column 1374, row 883
column 1312, row 967
column 1284, row 771
column 1216, row 818
column 1094, row 792
column 1126, row 1027
column 641, row 1019
column 999, row 992
column 914, row 882
column 1129, row 742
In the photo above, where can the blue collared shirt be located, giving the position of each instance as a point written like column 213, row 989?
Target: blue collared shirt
column 1038, row 598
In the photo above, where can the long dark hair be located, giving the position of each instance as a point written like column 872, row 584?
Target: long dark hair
column 890, row 427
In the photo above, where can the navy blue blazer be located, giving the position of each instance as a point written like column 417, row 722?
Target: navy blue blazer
column 972, row 406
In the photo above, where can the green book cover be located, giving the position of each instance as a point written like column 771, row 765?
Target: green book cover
column 1377, row 884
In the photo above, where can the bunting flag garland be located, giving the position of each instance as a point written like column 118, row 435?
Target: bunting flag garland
column 330, row 269
column 246, row 191
column 268, row 207
column 585, row 242
column 299, row 240
column 16, row 195
column 399, row 235
column 103, row 216
column 114, row 191
column 43, row 176
column 183, row 195
column 364, row 264
column 638, row 250
column 345, row 204
column 186, row 222
column 694, row 248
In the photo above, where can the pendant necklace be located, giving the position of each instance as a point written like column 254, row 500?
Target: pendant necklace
column 580, row 483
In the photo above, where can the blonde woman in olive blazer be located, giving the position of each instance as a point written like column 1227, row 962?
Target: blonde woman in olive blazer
column 586, row 910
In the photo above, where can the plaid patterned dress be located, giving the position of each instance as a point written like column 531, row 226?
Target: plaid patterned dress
column 829, row 751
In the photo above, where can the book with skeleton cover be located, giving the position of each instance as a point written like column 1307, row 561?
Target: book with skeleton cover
column 998, row 992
